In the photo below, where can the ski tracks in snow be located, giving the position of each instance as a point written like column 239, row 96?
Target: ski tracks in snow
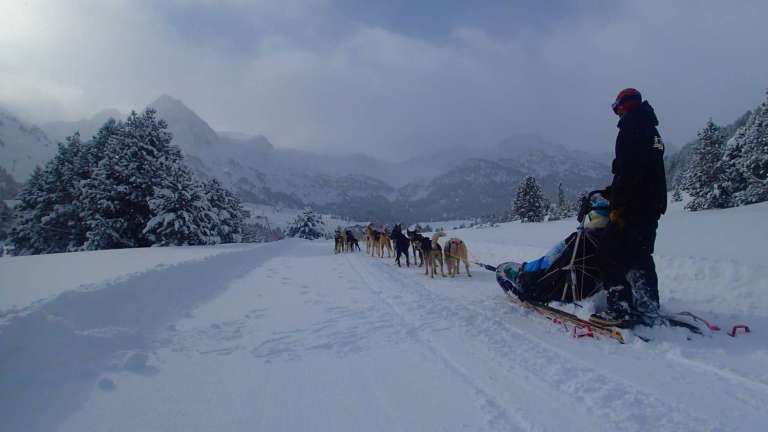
column 560, row 375
column 357, row 343
column 499, row 417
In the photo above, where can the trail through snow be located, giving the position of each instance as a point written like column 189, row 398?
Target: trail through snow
column 288, row 336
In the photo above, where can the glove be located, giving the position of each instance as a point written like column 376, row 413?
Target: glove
column 617, row 217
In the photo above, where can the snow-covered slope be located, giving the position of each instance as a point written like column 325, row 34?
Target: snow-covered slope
column 288, row 336
column 22, row 147
column 9, row 187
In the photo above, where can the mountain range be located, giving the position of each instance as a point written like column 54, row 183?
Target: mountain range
column 464, row 182
column 23, row 146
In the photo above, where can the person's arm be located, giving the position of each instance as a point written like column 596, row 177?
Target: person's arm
column 627, row 168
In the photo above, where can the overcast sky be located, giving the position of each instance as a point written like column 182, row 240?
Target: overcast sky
column 390, row 78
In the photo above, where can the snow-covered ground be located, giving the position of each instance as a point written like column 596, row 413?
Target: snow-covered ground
column 29, row 279
column 288, row 336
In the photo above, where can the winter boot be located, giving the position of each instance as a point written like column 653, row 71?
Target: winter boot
column 618, row 313
column 645, row 303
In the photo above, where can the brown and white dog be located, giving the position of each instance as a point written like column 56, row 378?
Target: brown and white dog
column 455, row 250
column 435, row 256
column 385, row 242
column 371, row 240
column 377, row 241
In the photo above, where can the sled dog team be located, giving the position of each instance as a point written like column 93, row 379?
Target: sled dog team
column 430, row 252
column 345, row 241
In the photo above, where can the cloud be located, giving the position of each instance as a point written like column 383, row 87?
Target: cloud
column 323, row 76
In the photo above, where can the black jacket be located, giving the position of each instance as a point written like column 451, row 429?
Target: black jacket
column 639, row 184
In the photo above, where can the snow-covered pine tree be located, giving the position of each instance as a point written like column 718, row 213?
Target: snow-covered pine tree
column 122, row 184
column 529, row 202
column 676, row 195
column 254, row 232
column 553, row 213
column 47, row 216
column 563, row 206
column 181, row 213
column 703, row 179
column 753, row 162
column 307, row 225
column 6, row 220
column 27, row 236
column 734, row 182
column 229, row 211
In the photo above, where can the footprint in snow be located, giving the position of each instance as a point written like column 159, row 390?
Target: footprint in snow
column 107, row 385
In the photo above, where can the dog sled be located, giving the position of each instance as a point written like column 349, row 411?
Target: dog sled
column 569, row 271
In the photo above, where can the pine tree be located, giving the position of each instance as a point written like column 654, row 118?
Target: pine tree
column 553, row 212
column 27, row 235
column 529, row 202
column 704, row 177
column 6, row 219
column 254, row 232
column 734, row 182
column 181, row 212
column 229, row 211
column 48, row 212
column 104, row 193
column 563, row 206
column 676, row 195
column 307, row 225
column 122, row 184
column 753, row 162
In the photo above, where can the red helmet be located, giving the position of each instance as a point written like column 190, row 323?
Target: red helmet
column 624, row 98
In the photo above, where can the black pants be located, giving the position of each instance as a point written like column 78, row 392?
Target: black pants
column 627, row 267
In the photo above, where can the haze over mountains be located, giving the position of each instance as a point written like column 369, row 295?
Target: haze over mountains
column 469, row 181
column 22, row 146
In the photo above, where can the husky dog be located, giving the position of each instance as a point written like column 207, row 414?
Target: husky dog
column 351, row 242
column 455, row 250
column 338, row 246
column 417, row 241
column 402, row 244
column 371, row 240
column 385, row 242
column 435, row 256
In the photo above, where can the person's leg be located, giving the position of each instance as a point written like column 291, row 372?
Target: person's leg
column 641, row 275
column 613, row 262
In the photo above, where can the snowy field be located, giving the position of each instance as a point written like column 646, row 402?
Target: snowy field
column 287, row 336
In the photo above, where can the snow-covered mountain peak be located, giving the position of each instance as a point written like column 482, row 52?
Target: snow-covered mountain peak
column 190, row 132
